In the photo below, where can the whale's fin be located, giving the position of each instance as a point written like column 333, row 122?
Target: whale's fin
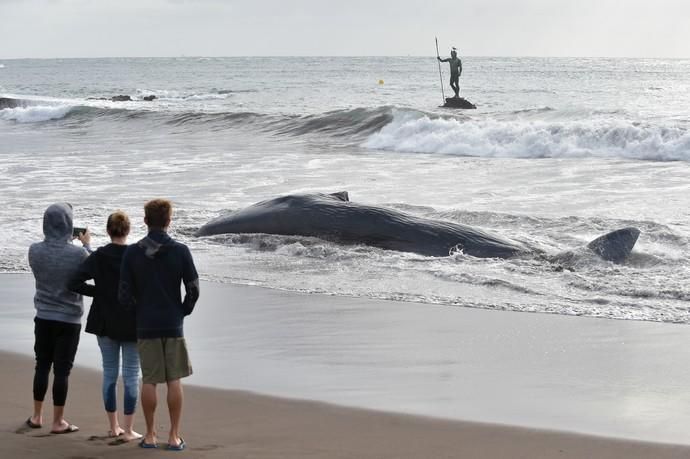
column 616, row 245
column 342, row 195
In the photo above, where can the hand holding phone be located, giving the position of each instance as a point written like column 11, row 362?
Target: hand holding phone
column 83, row 235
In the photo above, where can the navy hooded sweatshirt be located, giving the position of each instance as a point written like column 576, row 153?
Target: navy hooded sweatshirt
column 150, row 277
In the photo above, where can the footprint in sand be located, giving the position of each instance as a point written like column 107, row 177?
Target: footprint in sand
column 118, row 441
column 99, row 438
column 205, row 448
column 26, row 427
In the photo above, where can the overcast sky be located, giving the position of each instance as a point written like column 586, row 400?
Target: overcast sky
column 98, row 28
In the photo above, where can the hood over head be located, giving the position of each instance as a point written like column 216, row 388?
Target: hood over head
column 57, row 222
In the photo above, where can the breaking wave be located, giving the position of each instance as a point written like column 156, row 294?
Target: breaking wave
column 529, row 133
column 340, row 123
column 353, row 124
column 415, row 133
column 34, row 114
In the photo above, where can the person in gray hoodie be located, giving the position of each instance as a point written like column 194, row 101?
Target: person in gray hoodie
column 58, row 312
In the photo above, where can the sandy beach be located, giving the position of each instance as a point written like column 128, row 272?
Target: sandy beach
column 317, row 353
column 222, row 423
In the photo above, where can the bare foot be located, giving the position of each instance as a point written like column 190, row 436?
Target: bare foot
column 116, row 433
column 176, row 443
column 150, row 439
column 131, row 435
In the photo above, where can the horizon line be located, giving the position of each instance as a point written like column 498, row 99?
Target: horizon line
column 200, row 56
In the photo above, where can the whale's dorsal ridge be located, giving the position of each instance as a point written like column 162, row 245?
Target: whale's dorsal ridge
column 342, row 195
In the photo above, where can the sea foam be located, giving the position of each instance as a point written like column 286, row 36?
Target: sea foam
column 33, row 114
column 173, row 95
column 412, row 132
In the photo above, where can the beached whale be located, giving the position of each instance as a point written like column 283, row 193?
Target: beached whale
column 334, row 217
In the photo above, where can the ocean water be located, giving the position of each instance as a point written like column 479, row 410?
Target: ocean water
column 558, row 152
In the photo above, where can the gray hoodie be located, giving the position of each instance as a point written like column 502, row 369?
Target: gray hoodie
column 53, row 262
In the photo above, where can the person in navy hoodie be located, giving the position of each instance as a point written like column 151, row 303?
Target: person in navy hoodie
column 151, row 274
column 114, row 327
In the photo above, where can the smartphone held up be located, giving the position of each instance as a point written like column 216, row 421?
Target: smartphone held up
column 78, row 231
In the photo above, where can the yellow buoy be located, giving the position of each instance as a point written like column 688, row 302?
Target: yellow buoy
column 380, row 81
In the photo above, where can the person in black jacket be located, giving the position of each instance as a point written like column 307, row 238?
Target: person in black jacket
column 152, row 272
column 113, row 325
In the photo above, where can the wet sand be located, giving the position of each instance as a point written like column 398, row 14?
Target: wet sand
column 491, row 383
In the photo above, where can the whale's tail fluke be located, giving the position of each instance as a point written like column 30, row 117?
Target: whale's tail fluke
column 616, row 245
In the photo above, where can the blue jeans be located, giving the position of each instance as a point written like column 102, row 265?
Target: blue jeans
column 110, row 351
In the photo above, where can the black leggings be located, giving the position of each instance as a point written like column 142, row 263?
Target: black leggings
column 56, row 345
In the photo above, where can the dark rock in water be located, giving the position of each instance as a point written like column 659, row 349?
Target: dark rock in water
column 458, row 102
column 6, row 102
column 121, row 98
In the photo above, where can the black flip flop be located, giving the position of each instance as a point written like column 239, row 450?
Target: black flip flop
column 180, row 447
column 143, row 444
column 31, row 424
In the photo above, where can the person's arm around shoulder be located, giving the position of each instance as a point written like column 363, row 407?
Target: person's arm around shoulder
column 86, row 271
column 191, row 282
column 125, row 289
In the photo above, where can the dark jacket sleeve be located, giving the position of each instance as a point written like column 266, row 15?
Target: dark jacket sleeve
column 126, row 294
column 86, row 271
column 191, row 283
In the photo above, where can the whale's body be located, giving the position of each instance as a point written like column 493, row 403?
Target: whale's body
column 334, row 217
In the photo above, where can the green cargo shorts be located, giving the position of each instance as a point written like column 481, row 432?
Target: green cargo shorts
column 163, row 359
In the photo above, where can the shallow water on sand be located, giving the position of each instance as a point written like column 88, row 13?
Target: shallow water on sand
column 605, row 377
